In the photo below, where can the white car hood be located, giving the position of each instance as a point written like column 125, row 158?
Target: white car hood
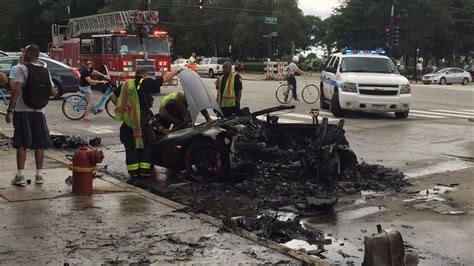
column 373, row 78
column 197, row 95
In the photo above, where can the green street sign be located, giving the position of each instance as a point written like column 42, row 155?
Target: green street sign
column 271, row 20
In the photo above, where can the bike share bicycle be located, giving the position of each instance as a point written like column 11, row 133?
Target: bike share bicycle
column 309, row 93
column 74, row 106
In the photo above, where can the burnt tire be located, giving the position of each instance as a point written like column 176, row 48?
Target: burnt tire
column 207, row 161
column 336, row 109
column 322, row 103
column 402, row 115
column 442, row 81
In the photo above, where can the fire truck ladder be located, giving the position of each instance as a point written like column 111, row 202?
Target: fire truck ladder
column 108, row 22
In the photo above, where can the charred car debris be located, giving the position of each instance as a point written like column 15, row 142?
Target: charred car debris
column 248, row 165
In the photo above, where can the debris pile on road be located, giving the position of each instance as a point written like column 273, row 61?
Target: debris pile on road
column 72, row 142
column 297, row 169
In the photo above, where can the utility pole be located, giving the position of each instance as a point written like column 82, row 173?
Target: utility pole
column 392, row 26
column 269, row 40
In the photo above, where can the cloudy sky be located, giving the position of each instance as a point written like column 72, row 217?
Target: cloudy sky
column 322, row 8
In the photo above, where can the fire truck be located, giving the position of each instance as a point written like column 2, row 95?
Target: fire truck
column 118, row 43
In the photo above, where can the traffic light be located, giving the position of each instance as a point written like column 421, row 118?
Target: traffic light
column 200, row 6
column 395, row 36
column 387, row 36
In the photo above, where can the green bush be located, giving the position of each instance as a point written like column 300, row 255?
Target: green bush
column 254, row 67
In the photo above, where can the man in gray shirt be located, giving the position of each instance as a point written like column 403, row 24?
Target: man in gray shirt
column 31, row 130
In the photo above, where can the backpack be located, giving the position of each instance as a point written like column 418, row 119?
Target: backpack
column 37, row 88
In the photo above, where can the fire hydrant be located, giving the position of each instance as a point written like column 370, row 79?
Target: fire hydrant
column 83, row 168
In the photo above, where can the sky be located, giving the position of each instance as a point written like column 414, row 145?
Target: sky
column 321, row 8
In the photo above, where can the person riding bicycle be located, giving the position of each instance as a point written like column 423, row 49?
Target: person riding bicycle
column 292, row 70
column 86, row 82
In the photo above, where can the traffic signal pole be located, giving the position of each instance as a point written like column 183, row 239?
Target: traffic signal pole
column 392, row 27
column 269, row 35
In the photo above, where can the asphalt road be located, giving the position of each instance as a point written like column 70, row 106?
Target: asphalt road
column 434, row 145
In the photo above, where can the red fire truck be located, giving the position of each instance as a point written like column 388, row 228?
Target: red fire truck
column 117, row 43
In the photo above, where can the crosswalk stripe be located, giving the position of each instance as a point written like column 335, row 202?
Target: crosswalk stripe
column 454, row 112
column 330, row 119
column 437, row 113
column 426, row 116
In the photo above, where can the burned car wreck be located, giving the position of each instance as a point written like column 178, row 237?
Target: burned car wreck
column 239, row 146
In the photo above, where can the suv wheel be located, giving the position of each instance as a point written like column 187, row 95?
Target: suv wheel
column 336, row 109
column 211, row 73
column 402, row 115
column 322, row 103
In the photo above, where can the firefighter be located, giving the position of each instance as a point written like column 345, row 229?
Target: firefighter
column 174, row 111
column 229, row 91
column 133, row 109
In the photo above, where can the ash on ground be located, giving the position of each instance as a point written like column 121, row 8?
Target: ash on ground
column 280, row 169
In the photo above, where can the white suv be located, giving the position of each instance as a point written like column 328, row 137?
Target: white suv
column 363, row 81
column 212, row 66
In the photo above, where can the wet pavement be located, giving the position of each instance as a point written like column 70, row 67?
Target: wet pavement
column 118, row 224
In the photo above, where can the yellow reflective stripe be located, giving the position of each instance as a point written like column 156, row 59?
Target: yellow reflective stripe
column 131, row 167
column 145, row 165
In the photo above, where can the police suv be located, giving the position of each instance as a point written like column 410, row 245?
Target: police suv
column 364, row 81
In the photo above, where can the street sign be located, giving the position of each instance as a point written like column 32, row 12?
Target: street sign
column 271, row 20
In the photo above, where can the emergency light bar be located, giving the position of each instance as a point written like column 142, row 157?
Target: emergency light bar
column 351, row 51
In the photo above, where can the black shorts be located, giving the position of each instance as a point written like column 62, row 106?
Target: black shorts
column 31, row 131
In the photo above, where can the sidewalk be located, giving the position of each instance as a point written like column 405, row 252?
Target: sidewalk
column 117, row 224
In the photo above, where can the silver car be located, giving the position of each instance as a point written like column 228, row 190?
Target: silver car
column 449, row 75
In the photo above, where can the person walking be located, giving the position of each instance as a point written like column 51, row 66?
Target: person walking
column 29, row 123
column 229, row 91
column 419, row 71
column 134, row 111
column 292, row 70
column 86, row 82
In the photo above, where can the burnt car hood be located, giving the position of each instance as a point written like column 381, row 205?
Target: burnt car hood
column 197, row 95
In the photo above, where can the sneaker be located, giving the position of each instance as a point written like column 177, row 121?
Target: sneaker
column 18, row 180
column 39, row 180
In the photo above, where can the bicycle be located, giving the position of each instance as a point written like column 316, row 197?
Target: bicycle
column 309, row 93
column 74, row 106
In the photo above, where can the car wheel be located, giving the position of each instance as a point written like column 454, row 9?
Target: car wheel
column 211, row 73
column 402, row 115
column 442, row 81
column 207, row 161
column 60, row 90
column 465, row 81
column 322, row 103
column 336, row 109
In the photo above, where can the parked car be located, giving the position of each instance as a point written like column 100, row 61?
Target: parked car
column 212, row 66
column 180, row 62
column 64, row 77
column 448, row 75
column 364, row 81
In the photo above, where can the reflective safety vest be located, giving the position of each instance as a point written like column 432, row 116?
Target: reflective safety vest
column 180, row 99
column 227, row 98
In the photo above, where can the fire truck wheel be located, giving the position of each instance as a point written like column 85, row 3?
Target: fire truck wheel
column 60, row 90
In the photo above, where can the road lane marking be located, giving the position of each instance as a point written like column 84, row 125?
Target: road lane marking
column 454, row 112
column 330, row 119
column 426, row 116
column 438, row 113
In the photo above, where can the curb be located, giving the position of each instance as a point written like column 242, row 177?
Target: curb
column 305, row 258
